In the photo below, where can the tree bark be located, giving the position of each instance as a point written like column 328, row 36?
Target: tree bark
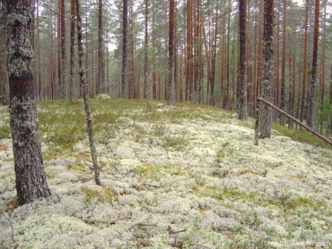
column 72, row 50
column 63, row 50
column 304, row 72
column 86, row 95
column 242, row 91
column 101, row 62
column 124, row 49
column 310, row 118
column 189, row 57
column 265, row 111
column 4, row 69
column 146, row 46
column 171, row 83
column 283, row 66
column 38, row 62
column 322, row 96
column 330, row 99
column 31, row 181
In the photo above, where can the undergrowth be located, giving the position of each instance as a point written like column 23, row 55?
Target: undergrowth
column 301, row 136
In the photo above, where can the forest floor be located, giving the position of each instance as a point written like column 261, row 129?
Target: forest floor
column 191, row 168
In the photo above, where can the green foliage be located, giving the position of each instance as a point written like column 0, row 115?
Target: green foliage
column 325, row 113
column 62, row 123
column 99, row 196
column 5, row 131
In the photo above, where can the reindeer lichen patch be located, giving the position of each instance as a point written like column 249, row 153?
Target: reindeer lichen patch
column 196, row 172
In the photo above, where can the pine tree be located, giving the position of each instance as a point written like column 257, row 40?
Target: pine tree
column 242, row 86
column 312, row 88
column 171, row 80
column 30, row 176
column 265, row 111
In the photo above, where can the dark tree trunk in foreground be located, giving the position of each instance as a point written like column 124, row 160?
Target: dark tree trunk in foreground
column 330, row 99
column 86, row 94
column 30, row 176
column 4, row 71
column 171, row 83
column 242, row 86
column 310, row 118
column 124, row 49
column 265, row 111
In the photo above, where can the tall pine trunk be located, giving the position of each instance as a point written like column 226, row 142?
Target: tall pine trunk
column 189, row 56
column 30, row 176
column 242, row 86
column 72, row 50
column 283, row 66
column 124, row 48
column 146, row 46
column 310, row 118
column 265, row 111
column 63, row 50
column 171, row 78
column 101, row 62
column 304, row 70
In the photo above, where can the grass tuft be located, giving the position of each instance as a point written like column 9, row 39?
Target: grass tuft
column 301, row 136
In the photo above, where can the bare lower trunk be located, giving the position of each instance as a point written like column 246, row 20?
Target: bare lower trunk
column 242, row 91
column 265, row 111
column 4, row 78
column 63, row 52
column 30, row 176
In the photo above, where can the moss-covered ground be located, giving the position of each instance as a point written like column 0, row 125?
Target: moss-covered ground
column 191, row 167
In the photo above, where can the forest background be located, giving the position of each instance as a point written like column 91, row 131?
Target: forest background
column 206, row 52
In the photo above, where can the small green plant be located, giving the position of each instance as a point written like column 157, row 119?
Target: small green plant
column 5, row 131
column 300, row 136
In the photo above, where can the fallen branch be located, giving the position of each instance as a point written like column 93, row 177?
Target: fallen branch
column 295, row 120
column 122, row 218
column 171, row 231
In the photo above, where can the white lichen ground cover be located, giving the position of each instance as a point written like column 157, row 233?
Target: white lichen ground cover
column 190, row 167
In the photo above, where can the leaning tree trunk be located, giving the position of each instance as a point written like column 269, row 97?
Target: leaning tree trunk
column 265, row 111
column 86, row 94
column 30, row 176
column 312, row 88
